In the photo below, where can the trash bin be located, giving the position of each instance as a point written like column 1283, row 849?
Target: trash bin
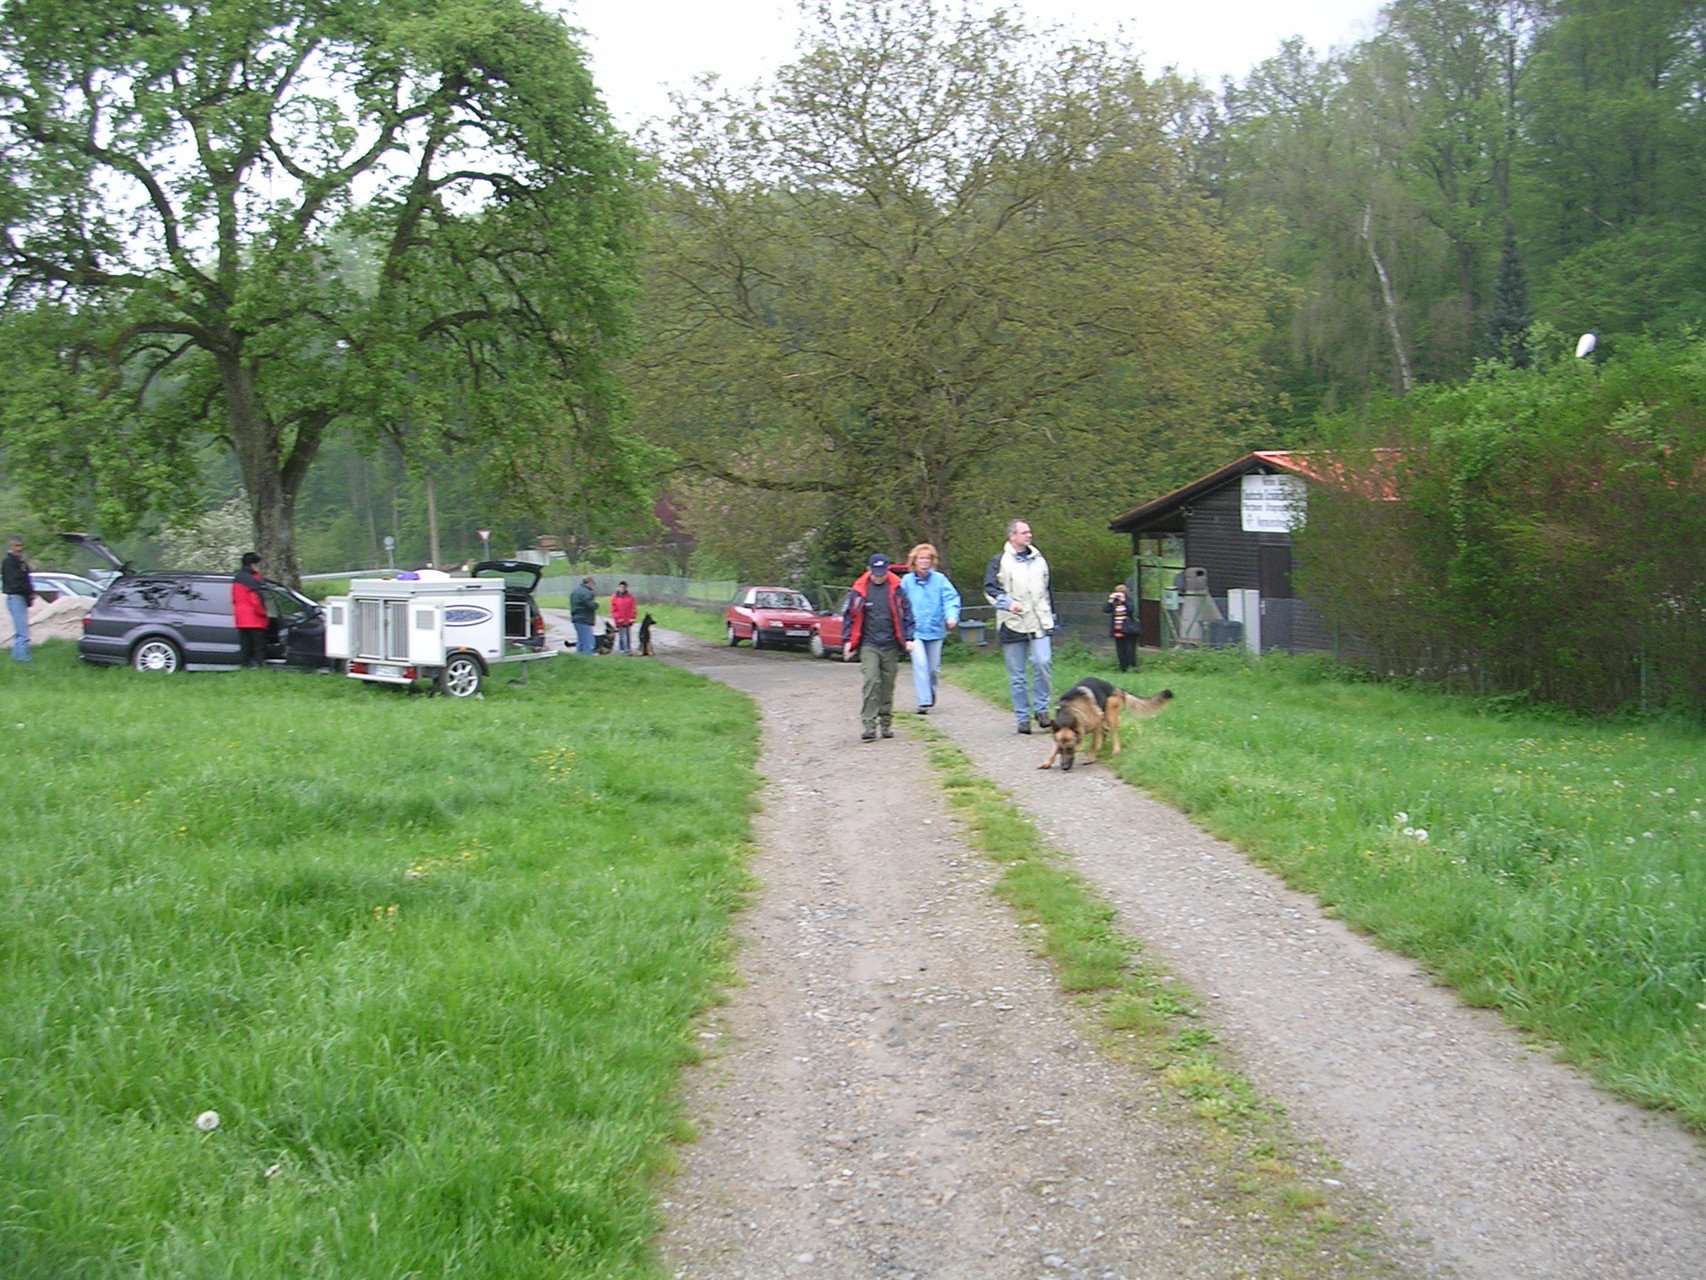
column 972, row 632
column 1224, row 633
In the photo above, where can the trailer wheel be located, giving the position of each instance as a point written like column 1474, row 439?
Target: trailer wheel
column 460, row 677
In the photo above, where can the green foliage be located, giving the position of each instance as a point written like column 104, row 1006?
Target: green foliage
column 434, row 964
column 898, row 277
column 1411, row 173
column 1544, row 534
column 255, row 224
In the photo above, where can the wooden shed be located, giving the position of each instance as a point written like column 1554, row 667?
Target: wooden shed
column 1235, row 523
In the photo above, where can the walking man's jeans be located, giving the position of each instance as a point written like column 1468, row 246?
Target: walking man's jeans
column 1040, row 654
column 878, row 666
column 926, row 670
column 584, row 640
column 19, row 607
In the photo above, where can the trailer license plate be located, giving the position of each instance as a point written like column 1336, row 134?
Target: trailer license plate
column 385, row 671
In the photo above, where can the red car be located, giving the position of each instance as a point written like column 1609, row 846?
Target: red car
column 771, row 617
column 827, row 640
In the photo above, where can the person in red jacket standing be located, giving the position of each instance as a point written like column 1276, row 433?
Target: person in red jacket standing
column 877, row 629
column 250, row 611
column 623, row 610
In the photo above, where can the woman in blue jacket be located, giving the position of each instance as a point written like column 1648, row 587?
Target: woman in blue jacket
column 935, row 612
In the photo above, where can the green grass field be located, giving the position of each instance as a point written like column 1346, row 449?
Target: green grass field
column 1549, row 867
column 433, row 964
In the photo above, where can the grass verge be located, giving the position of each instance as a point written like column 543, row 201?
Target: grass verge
column 1546, row 866
column 1147, row 1018
column 432, row 963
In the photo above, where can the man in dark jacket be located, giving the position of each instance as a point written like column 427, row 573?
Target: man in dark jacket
column 20, row 595
column 877, row 628
column 583, row 612
column 249, row 611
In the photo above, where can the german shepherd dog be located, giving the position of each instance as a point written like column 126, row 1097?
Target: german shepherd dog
column 646, row 625
column 1092, row 709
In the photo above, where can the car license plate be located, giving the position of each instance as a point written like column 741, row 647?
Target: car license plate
column 385, row 671
column 798, row 631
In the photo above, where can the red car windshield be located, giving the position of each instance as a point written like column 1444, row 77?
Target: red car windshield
column 781, row 600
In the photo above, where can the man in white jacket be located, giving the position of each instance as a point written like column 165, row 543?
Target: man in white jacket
column 1017, row 584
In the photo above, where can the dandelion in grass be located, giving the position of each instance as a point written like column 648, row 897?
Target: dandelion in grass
column 1421, row 834
column 207, row 1121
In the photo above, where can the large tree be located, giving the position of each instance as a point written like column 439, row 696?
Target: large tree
column 894, row 274
column 253, row 220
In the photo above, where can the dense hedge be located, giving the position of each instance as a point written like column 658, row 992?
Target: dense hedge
column 1543, row 532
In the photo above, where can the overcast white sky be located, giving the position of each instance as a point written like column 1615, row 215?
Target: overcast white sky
column 643, row 48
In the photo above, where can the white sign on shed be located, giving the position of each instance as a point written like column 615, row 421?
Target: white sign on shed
column 1274, row 504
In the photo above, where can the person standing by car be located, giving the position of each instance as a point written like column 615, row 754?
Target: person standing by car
column 1123, row 626
column 1016, row 582
column 583, row 612
column 935, row 606
column 878, row 629
column 623, row 610
column 20, row 595
column 249, row 611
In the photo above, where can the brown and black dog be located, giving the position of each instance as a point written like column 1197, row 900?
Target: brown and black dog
column 1092, row 709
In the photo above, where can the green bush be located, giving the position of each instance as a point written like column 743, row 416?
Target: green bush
column 1544, row 537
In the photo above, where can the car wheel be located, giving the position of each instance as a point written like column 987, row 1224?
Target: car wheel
column 818, row 651
column 757, row 638
column 733, row 638
column 157, row 654
column 460, row 677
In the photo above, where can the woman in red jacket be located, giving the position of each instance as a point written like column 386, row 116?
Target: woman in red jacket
column 623, row 609
column 249, row 611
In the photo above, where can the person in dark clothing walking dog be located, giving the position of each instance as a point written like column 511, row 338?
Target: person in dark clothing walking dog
column 878, row 629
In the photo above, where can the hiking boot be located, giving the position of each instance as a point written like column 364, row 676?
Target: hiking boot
column 1024, row 726
column 887, row 732
column 924, row 711
column 870, row 735
column 1043, row 722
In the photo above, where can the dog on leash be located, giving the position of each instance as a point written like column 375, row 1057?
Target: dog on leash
column 1092, row 709
column 646, row 625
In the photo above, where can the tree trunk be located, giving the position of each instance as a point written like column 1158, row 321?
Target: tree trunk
column 272, row 486
column 1389, row 301
column 432, row 523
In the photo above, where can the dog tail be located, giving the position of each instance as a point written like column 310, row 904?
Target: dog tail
column 1143, row 708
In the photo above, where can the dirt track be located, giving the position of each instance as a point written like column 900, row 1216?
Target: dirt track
column 900, row 1090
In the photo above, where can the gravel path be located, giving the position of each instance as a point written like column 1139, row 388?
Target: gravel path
column 900, row 1090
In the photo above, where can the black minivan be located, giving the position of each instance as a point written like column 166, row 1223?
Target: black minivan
column 159, row 621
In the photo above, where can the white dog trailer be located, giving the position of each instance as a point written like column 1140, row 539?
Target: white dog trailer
column 399, row 631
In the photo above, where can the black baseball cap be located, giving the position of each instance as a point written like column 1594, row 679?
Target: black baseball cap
column 878, row 563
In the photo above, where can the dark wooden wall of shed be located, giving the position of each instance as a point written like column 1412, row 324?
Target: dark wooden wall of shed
column 1215, row 540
